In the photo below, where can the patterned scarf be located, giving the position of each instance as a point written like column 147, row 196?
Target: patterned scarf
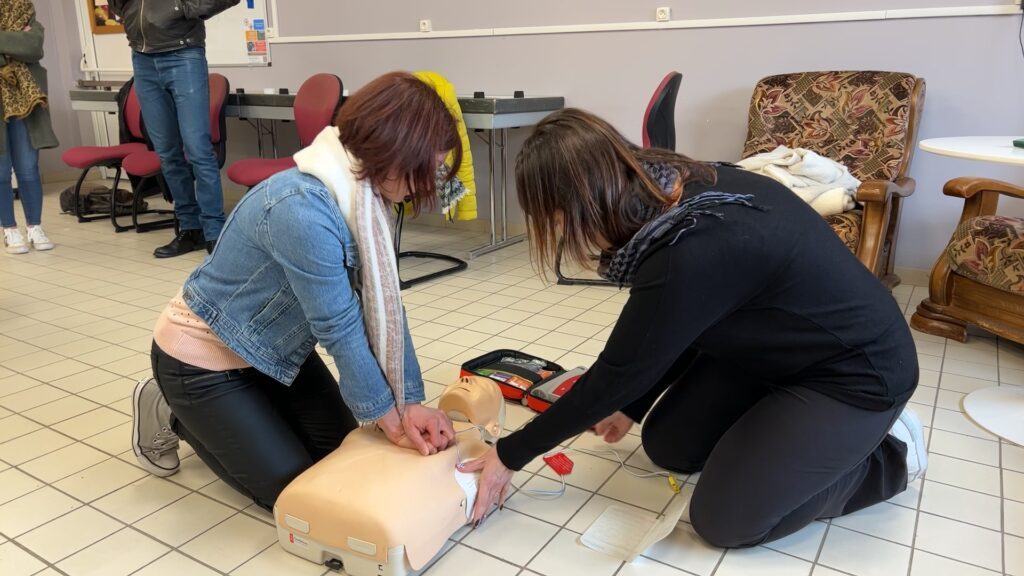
column 381, row 291
column 449, row 192
column 620, row 267
column 19, row 92
column 368, row 217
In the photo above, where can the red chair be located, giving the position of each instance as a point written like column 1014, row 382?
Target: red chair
column 146, row 165
column 316, row 103
column 657, row 131
column 659, row 128
column 132, row 140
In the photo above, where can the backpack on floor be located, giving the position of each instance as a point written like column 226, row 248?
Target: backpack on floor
column 95, row 199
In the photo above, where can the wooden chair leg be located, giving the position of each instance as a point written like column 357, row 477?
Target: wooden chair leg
column 930, row 320
column 889, row 276
column 930, row 316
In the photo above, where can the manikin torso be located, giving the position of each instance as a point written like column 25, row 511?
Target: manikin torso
column 385, row 510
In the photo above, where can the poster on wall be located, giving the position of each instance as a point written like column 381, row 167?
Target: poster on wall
column 102, row 20
column 256, row 40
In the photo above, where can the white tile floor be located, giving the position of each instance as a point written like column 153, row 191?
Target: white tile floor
column 74, row 337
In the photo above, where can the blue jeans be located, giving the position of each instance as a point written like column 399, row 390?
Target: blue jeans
column 174, row 90
column 19, row 154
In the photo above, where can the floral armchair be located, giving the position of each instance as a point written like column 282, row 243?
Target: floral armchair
column 864, row 120
column 979, row 278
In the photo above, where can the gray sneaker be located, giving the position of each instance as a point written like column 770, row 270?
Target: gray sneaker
column 155, row 445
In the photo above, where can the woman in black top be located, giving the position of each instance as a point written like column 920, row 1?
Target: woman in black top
column 785, row 365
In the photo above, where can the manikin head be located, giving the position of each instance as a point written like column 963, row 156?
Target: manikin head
column 476, row 400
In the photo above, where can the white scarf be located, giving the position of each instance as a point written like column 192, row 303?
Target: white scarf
column 368, row 217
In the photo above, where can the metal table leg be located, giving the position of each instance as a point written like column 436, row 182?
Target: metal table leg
column 273, row 135
column 500, row 135
column 259, row 137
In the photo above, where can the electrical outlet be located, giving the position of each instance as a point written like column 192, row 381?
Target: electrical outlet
column 425, row 26
column 663, row 14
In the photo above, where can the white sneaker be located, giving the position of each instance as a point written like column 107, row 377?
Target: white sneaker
column 37, row 238
column 908, row 430
column 14, row 242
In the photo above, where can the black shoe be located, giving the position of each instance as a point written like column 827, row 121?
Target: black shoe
column 209, row 246
column 186, row 241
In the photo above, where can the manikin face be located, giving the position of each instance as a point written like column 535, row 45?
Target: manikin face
column 477, row 399
column 474, row 389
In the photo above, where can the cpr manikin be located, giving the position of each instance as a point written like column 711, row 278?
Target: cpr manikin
column 373, row 508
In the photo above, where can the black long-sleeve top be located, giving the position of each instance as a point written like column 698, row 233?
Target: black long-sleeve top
column 775, row 292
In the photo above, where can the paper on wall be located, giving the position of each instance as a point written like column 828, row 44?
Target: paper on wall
column 625, row 533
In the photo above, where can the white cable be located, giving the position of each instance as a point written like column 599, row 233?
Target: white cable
column 543, row 494
column 622, row 464
column 537, row 494
column 553, row 494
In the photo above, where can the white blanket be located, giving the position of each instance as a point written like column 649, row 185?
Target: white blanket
column 825, row 184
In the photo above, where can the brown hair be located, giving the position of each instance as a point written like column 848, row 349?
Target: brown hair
column 397, row 125
column 579, row 178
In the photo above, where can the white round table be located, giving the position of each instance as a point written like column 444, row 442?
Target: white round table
column 999, row 409
column 996, row 149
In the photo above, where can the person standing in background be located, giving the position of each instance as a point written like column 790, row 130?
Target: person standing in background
column 26, row 126
column 168, row 39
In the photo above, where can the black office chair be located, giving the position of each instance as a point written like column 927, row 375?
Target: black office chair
column 455, row 264
column 658, row 131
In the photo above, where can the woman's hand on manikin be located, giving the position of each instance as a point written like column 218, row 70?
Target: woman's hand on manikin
column 495, row 480
column 426, row 430
column 614, row 427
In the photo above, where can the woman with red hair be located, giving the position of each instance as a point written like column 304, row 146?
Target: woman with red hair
column 306, row 258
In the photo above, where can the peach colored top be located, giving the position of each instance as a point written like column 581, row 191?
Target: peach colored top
column 184, row 336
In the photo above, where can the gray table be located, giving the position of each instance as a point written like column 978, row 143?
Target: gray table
column 495, row 115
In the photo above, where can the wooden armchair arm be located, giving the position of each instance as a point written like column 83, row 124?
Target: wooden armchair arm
column 967, row 187
column 883, row 190
column 981, row 195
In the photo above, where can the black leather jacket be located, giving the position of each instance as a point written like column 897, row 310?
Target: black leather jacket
column 163, row 25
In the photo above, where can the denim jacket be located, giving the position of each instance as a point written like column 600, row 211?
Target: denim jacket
column 281, row 279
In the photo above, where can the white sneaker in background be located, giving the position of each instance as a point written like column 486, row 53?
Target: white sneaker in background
column 908, row 429
column 37, row 238
column 14, row 242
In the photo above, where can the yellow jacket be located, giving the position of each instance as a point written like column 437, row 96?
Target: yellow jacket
column 465, row 208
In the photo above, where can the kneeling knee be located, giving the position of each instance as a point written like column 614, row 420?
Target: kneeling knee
column 664, row 455
column 720, row 526
column 266, row 490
